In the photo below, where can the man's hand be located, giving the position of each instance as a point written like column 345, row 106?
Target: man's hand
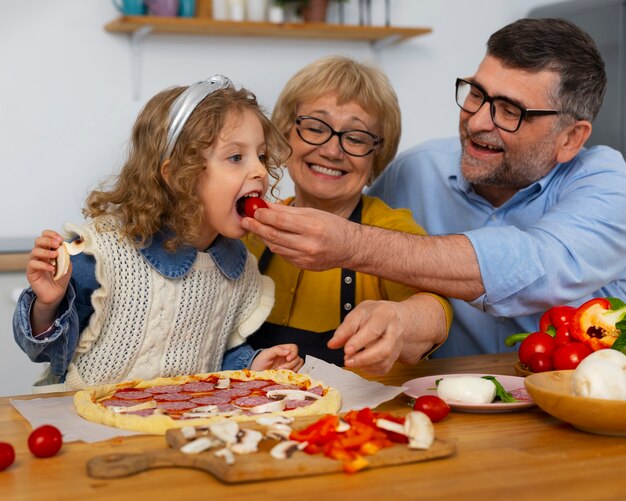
column 308, row 238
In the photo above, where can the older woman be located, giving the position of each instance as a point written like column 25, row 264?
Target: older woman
column 342, row 121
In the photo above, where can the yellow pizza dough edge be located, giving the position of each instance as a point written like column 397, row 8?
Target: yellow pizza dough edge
column 85, row 401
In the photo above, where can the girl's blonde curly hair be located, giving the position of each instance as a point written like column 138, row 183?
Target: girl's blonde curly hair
column 142, row 201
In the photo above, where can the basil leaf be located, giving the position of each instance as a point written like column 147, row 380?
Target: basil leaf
column 501, row 394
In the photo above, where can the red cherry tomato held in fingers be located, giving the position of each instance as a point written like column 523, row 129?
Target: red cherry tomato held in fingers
column 540, row 362
column 568, row 356
column 7, row 455
column 45, row 441
column 537, row 342
column 251, row 204
column 434, row 407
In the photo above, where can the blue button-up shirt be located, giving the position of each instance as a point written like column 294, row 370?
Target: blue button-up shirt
column 561, row 240
column 58, row 343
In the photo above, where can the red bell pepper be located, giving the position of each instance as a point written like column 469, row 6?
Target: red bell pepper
column 555, row 318
column 599, row 322
column 555, row 321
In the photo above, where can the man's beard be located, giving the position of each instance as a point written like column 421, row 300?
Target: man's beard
column 516, row 168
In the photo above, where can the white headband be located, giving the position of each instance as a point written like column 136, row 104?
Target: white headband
column 184, row 105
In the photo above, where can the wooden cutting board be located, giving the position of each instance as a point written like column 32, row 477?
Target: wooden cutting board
column 251, row 467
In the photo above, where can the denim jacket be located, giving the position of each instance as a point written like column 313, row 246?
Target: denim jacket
column 58, row 343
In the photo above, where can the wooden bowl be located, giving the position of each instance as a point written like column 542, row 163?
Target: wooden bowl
column 553, row 392
column 521, row 370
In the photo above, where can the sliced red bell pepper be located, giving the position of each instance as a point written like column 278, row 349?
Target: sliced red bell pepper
column 318, row 433
column 599, row 322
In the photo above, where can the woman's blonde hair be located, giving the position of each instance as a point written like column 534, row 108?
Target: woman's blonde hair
column 141, row 199
column 349, row 81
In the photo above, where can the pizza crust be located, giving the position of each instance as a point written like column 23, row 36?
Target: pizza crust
column 87, row 406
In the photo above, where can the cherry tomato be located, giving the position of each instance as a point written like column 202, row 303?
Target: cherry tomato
column 7, row 455
column 540, row 362
column 45, row 441
column 435, row 408
column 537, row 342
column 251, row 204
column 568, row 356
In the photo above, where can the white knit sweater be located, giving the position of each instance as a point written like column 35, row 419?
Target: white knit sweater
column 146, row 325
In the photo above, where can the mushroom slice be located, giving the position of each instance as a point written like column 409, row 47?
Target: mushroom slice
column 284, row 450
column 279, row 431
column 279, row 405
column 226, row 431
column 65, row 250
column 205, row 408
column 222, row 383
column 292, row 394
column 247, row 442
column 419, row 429
column 75, row 247
column 120, row 409
column 61, row 263
column 229, row 457
column 198, row 445
column 188, row 432
column 343, row 426
column 273, row 420
column 392, row 426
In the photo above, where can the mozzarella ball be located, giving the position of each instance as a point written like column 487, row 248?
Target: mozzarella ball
column 466, row 389
column 601, row 375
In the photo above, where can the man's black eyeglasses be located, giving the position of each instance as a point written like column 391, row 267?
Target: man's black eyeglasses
column 357, row 143
column 505, row 114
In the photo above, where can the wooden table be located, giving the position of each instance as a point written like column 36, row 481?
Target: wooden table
column 519, row 455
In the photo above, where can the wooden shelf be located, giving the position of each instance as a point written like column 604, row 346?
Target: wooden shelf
column 206, row 26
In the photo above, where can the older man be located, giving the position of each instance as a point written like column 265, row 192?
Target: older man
column 522, row 216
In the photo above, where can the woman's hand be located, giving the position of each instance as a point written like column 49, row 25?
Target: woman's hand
column 39, row 273
column 282, row 356
column 378, row 333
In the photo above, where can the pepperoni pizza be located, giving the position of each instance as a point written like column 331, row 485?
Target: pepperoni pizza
column 160, row 404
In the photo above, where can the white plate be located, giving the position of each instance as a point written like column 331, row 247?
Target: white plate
column 513, row 384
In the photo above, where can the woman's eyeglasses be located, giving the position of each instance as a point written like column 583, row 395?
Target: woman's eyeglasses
column 357, row 143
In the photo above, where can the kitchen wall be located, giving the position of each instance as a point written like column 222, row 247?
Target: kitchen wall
column 67, row 102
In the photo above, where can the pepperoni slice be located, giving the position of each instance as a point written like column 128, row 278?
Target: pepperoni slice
column 252, row 401
column 211, row 400
column 234, row 392
column 521, row 394
column 176, row 406
column 293, row 404
column 132, row 395
column 318, row 390
column 282, row 387
column 198, row 387
column 249, row 384
column 170, row 388
column 172, row 397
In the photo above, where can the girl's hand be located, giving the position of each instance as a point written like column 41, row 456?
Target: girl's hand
column 39, row 273
column 282, row 356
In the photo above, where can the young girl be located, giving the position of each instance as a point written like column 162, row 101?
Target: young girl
column 164, row 285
